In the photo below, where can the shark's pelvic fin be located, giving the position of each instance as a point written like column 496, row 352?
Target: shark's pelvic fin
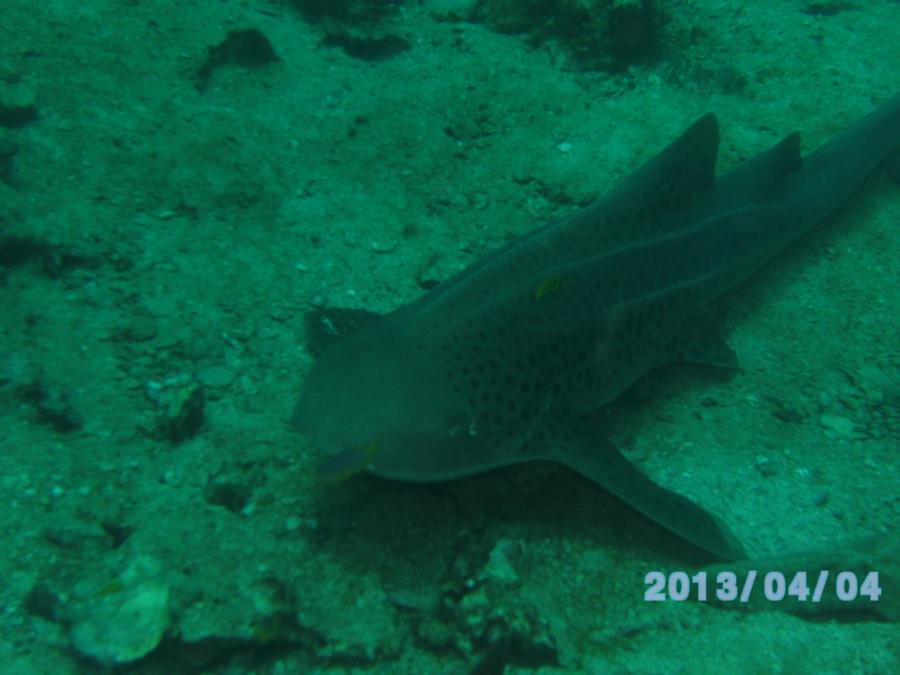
column 701, row 344
column 602, row 463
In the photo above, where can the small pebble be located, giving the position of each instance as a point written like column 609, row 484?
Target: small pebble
column 837, row 426
column 384, row 247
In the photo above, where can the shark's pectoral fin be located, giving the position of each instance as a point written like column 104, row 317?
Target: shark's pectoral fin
column 603, row 464
column 701, row 344
column 326, row 326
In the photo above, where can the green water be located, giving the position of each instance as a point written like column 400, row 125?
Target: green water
column 180, row 183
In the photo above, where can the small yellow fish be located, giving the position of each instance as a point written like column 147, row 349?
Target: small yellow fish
column 551, row 285
column 338, row 468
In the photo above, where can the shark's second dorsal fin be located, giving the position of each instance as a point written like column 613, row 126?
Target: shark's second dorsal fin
column 763, row 176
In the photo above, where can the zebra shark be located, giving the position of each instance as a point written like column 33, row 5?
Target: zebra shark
column 506, row 361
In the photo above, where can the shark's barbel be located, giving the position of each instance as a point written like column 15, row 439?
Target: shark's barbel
column 504, row 362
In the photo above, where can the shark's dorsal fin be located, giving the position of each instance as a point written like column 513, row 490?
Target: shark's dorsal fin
column 641, row 207
column 688, row 165
column 762, row 176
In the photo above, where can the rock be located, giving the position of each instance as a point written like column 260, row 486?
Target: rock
column 56, row 410
column 8, row 149
column 247, row 48
column 123, row 620
column 353, row 617
column 232, row 496
column 502, row 561
column 838, row 427
column 764, row 465
column 17, row 105
column 181, row 406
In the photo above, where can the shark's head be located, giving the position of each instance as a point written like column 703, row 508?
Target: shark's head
column 376, row 401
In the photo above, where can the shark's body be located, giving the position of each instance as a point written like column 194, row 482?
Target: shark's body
column 504, row 362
